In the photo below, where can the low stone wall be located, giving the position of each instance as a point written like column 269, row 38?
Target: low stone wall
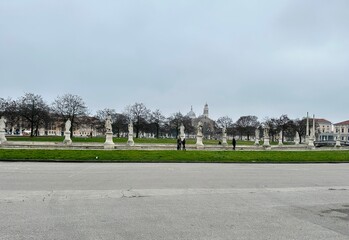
column 189, row 147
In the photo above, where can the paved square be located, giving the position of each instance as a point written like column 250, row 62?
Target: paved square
column 173, row 201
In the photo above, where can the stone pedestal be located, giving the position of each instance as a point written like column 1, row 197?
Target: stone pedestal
column 224, row 140
column 256, row 142
column 306, row 140
column 67, row 139
column 338, row 143
column 130, row 141
column 109, row 144
column 199, row 143
column 311, row 143
column 266, row 142
column 2, row 137
column 296, row 139
column 280, row 139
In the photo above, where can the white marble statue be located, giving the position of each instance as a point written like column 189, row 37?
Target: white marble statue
column 67, row 140
column 130, row 128
column 2, row 123
column 67, row 125
column 130, row 141
column 199, row 143
column 266, row 132
column 280, row 138
column 181, row 129
column 181, row 132
column 256, row 133
column 224, row 136
column 296, row 138
column 199, row 128
column 108, row 126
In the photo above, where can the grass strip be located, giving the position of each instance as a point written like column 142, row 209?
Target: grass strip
column 176, row 156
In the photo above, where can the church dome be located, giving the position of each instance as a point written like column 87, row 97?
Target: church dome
column 191, row 114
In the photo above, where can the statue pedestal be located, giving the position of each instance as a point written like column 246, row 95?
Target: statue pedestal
column 67, row 139
column 256, row 142
column 2, row 137
column 306, row 140
column 266, row 142
column 311, row 143
column 296, row 141
column 280, row 142
column 224, row 141
column 199, row 144
column 109, row 144
column 338, row 143
column 130, row 141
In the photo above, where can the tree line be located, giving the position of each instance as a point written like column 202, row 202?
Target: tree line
column 33, row 112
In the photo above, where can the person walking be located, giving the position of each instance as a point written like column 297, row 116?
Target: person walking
column 178, row 143
column 183, row 144
column 234, row 143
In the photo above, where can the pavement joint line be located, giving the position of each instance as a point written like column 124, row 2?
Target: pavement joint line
column 14, row 195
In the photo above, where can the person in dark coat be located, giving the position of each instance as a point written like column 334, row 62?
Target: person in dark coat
column 183, row 144
column 234, row 143
column 178, row 143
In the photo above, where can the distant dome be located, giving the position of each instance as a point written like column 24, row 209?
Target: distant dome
column 191, row 114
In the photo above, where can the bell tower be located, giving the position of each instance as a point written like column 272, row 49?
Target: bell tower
column 206, row 110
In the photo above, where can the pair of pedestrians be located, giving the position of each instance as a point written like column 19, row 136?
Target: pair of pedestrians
column 180, row 144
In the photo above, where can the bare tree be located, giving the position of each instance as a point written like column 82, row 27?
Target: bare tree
column 246, row 125
column 283, row 124
column 157, row 120
column 225, row 121
column 119, row 123
column 175, row 121
column 9, row 108
column 138, row 114
column 33, row 108
column 71, row 107
column 271, row 123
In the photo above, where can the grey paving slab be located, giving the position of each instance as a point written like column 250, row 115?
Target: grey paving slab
column 173, row 201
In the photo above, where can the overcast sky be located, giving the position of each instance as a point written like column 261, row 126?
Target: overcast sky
column 263, row 58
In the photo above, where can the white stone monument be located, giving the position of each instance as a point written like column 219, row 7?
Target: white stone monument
column 280, row 138
column 130, row 141
column 312, row 135
column 2, row 130
column 108, row 144
column 224, row 137
column 67, row 139
column 199, row 143
column 181, row 132
column 266, row 142
column 256, row 133
column 296, row 138
column 338, row 139
column 307, row 130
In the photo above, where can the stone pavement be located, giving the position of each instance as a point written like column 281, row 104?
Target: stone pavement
column 173, row 201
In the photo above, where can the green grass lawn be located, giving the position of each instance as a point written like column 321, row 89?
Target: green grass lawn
column 123, row 140
column 176, row 156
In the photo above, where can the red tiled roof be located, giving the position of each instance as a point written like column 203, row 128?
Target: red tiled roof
column 343, row 123
column 323, row 120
